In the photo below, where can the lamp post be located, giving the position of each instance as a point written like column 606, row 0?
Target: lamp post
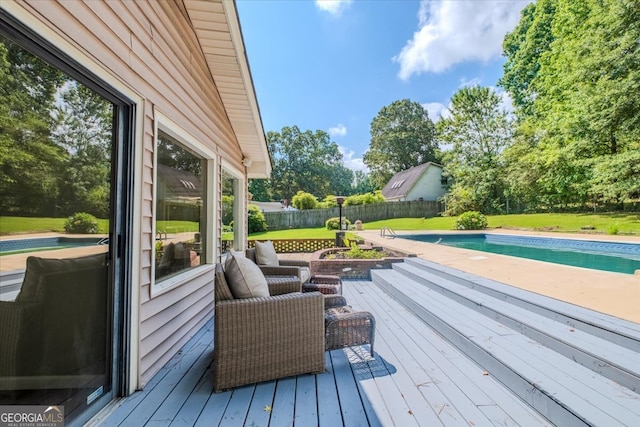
column 339, row 233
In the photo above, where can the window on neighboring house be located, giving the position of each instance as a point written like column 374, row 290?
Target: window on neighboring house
column 180, row 207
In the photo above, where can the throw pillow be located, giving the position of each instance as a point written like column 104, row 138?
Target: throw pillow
column 245, row 279
column 37, row 266
column 266, row 254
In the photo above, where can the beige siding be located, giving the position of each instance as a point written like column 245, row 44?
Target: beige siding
column 151, row 48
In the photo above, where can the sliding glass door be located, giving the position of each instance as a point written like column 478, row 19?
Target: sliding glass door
column 64, row 156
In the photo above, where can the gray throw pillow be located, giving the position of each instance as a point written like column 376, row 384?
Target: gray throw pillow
column 245, row 279
column 266, row 254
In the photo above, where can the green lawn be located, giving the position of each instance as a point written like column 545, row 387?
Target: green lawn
column 626, row 223
column 620, row 223
column 18, row 225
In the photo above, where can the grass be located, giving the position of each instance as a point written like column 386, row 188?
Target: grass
column 21, row 225
column 624, row 223
column 611, row 223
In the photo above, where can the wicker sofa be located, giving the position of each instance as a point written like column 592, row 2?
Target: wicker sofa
column 265, row 338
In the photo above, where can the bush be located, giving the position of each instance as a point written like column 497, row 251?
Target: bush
column 256, row 221
column 364, row 199
column 303, row 200
column 472, row 220
column 81, row 223
column 613, row 229
column 334, row 223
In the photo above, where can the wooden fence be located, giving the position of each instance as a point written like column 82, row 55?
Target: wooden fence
column 317, row 217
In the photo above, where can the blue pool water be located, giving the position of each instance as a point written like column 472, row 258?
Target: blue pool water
column 607, row 256
column 8, row 247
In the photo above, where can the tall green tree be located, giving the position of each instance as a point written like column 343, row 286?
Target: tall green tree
column 307, row 161
column 85, row 132
column 580, row 65
column 28, row 159
column 478, row 130
column 402, row 136
column 523, row 48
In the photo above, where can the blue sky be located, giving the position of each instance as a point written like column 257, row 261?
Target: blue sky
column 332, row 65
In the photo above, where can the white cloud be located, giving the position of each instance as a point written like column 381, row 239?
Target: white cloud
column 436, row 110
column 334, row 7
column 464, row 82
column 351, row 162
column 452, row 32
column 339, row 130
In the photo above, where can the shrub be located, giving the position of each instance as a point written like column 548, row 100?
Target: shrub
column 613, row 229
column 81, row 223
column 303, row 200
column 334, row 223
column 472, row 220
column 256, row 221
column 364, row 199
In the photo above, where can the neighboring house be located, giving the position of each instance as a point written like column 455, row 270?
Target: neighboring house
column 422, row 182
column 177, row 79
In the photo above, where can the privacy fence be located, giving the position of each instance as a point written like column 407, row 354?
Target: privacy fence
column 366, row 213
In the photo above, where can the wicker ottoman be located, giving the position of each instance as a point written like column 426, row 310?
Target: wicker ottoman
column 324, row 283
column 346, row 327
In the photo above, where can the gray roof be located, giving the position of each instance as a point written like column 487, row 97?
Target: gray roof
column 180, row 184
column 402, row 182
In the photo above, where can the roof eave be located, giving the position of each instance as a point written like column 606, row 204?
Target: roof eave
column 241, row 104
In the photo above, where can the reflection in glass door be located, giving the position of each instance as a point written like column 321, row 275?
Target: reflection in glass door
column 57, row 145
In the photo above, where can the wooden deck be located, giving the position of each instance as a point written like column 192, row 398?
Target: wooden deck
column 417, row 378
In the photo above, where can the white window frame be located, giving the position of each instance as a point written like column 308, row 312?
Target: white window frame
column 164, row 124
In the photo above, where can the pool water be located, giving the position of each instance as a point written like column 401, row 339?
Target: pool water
column 607, row 256
column 17, row 246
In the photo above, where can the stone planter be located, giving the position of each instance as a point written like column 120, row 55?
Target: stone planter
column 352, row 268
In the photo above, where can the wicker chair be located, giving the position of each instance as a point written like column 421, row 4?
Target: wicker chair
column 262, row 339
column 287, row 267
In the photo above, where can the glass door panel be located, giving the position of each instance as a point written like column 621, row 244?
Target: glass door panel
column 56, row 287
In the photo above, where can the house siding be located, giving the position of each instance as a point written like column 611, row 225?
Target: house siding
column 428, row 186
column 151, row 48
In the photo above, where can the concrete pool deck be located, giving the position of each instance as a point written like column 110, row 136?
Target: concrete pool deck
column 616, row 294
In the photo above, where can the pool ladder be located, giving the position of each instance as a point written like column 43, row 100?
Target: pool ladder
column 387, row 232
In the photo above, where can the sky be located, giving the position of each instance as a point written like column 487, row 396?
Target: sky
column 332, row 65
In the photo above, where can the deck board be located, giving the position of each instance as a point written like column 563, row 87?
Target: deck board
column 416, row 378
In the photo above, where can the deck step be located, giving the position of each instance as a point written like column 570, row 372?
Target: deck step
column 611, row 328
column 530, row 353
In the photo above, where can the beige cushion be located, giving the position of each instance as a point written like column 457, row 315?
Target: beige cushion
column 266, row 254
column 244, row 278
column 305, row 274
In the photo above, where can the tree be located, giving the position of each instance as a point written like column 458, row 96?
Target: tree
column 478, row 131
column 402, row 136
column 523, row 48
column 307, row 161
column 260, row 190
column 362, row 183
column 84, row 131
column 576, row 66
column 28, row 159
column 303, row 200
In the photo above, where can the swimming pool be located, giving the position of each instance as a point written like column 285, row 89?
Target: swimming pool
column 608, row 256
column 17, row 246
